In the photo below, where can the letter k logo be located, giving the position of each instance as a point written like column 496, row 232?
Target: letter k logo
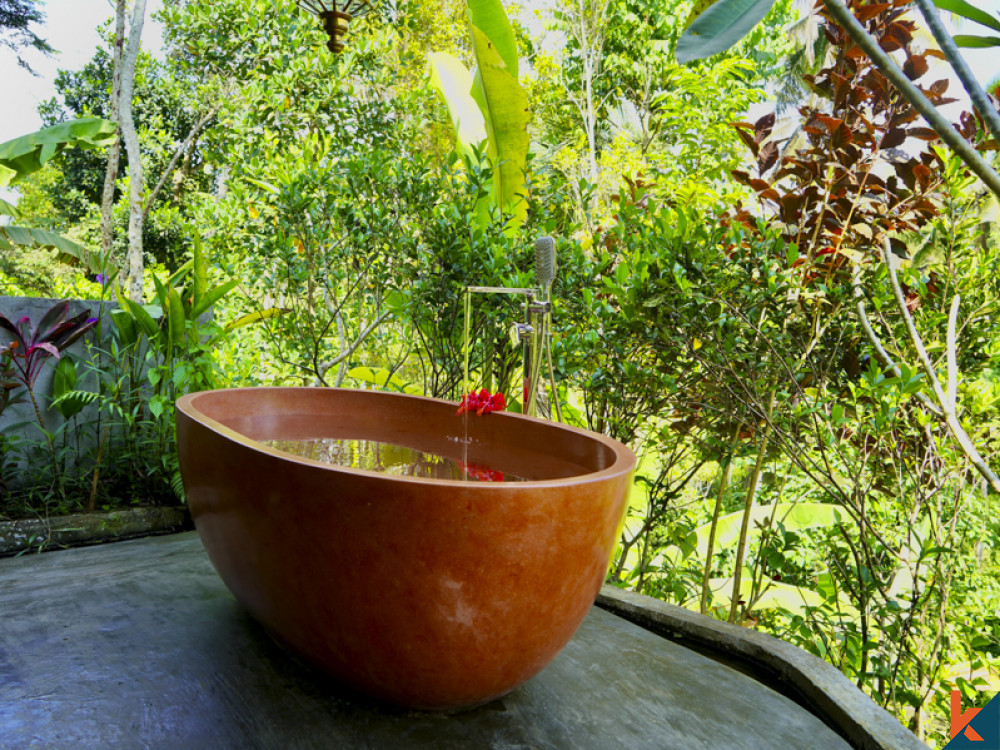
column 960, row 721
column 977, row 728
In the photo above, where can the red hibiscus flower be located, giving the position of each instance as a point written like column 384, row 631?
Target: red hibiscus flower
column 482, row 402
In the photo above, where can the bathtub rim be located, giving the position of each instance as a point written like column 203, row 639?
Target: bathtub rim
column 625, row 460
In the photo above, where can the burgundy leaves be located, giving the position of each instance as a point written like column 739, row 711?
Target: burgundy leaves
column 754, row 137
column 31, row 346
column 850, row 184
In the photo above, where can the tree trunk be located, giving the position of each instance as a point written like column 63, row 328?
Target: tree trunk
column 114, row 150
column 725, row 474
column 585, row 21
column 734, row 605
column 131, row 138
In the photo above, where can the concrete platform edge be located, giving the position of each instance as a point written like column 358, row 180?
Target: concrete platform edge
column 81, row 529
column 825, row 690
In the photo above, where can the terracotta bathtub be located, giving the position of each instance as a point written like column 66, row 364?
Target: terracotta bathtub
column 427, row 593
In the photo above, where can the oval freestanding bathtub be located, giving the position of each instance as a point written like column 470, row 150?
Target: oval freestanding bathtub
column 428, row 593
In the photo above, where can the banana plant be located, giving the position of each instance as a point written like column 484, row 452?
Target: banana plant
column 490, row 104
column 29, row 153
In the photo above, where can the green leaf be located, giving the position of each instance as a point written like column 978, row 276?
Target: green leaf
column 792, row 516
column 490, row 18
column 697, row 9
column 791, row 254
column 255, row 317
column 141, row 318
column 505, row 109
column 966, row 10
column 265, row 185
column 621, row 274
column 156, row 406
column 381, row 378
column 72, row 403
column 365, row 374
column 177, row 277
column 200, row 272
column 213, row 296
column 395, row 301
column 977, row 42
column 720, row 27
column 502, row 101
column 8, row 209
column 795, row 599
column 64, row 377
column 175, row 318
column 161, row 291
column 126, row 328
column 29, row 153
column 453, row 82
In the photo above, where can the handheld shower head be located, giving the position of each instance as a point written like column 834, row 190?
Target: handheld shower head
column 545, row 261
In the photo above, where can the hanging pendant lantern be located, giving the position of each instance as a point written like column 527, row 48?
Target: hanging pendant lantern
column 336, row 15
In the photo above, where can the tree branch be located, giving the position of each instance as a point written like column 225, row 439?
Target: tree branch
column 979, row 99
column 325, row 367
column 950, row 351
column 912, row 94
column 880, row 352
column 947, row 405
column 188, row 142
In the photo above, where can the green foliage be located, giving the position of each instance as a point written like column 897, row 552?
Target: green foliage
column 16, row 19
column 26, row 155
column 453, row 82
column 972, row 13
column 383, row 379
column 500, row 115
column 174, row 330
column 168, row 105
column 790, row 480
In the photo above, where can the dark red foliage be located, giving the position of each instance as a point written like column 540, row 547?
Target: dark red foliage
column 851, row 184
column 31, row 346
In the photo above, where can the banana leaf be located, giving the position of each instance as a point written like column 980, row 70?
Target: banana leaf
column 68, row 251
column 719, row 27
column 453, row 82
column 29, row 153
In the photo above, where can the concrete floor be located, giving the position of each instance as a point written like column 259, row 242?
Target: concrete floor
column 139, row 645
